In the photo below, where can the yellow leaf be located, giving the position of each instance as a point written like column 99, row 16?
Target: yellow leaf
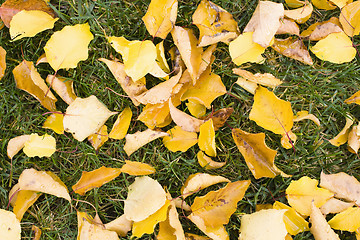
column 270, row 112
column 185, row 121
column 16, row 144
column 342, row 136
column 219, row 117
column 171, row 228
column 265, row 79
column 320, row 30
column 94, row 179
column 85, row 116
column 195, row 108
column 120, row 225
column 301, row 115
column 265, row 21
column 341, row 3
column 215, row 233
column 37, row 232
column 190, row 236
column 131, row 88
column 63, row 87
column 145, row 197
column 40, row 146
column 45, row 182
column 137, row 168
column 260, row 207
column 99, row 138
column 147, row 225
column 294, row 3
column 89, row 229
column 199, row 181
column 266, row 224
column 179, row 140
column 55, row 123
column 300, row 15
column 355, row 98
column 288, row 140
column 2, row 62
column 347, row 220
column 9, row 225
column 243, row 49
column 207, row 162
column 288, row 26
column 161, row 68
column 258, row 156
column 160, row 17
column 293, row 48
column 319, row 227
column 354, row 139
column 206, row 140
column 323, row 4
column 121, row 124
column 335, row 48
column 349, row 18
column 138, row 56
column 28, row 79
column 29, row 23
column 66, row 48
column 334, row 205
column 139, row 139
column 247, row 85
column 302, row 192
column 215, row 24
column 155, row 115
column 293, row 221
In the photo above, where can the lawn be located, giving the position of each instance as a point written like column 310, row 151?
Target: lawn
column 320, row 89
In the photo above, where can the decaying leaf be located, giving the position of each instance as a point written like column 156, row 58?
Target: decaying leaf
column 85, row 116
column 347, row 220
column 63, row 87
column 160, row 17
column 29, row 23
column 215, row 24
column 342, row 136
column 301, row 193
column 334, row 205
column 37, row 232
column 55, row 122
column 156, row 115
column 94, row 179
column 185, row 121
column 28, row 79
column 45, row 182
column 335, row 48
column 145, row 197
column 266, row 224
column 219, row 117
column 243, row 49
column 2, row 62
column 293, row 48
column 288, row 140
column 9, row 225
column 265, row 21
column 137, row 168
column 302, row 115
column 120, row 225
column 258, row 156
column 354, row 139
column 265, row 79
column 319, row 227
column 270, row 112
column 288, row 26
column 40, row 146
column 179, row 140
column 207, row 163
column 121, row 124
column 99, row 138
column 139, row 139
column 320, row 30
column 66, row 48
column 349, row 18
column 206, row 140
column 16, row 144
column 300, row 15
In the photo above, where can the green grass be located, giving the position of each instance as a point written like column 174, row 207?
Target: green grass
column 321, row 89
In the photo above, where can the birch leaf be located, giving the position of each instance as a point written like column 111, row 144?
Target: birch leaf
column 334, row 205
column 265, row 79
column 156, row 115
column 347, row 220
column 2, row 62
column 137, row 168
column 9, row 225
column 207, row 163
column 219, row 117
column 63, row 87
column 179, row 140
column 319, row 227
column 40, row 146
column 88, row 229
column 349, row 18
column 354, row 139
column 355, row 98
column 120, row 225
column 55, row 122
column 16, row 144
column 185, row 121
column 321, row 30
column 301, row 115
column 99, row 138
column 293, row 48
column 207, row 138
column 288, row 26
column 195, row 108
column 243, row 49
column 121, row 124
column 300, row 15
column 342, row 136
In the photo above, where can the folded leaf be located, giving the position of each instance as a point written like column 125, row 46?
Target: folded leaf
column 120, row 225
column 219, row 117
column 349, row 18
column 342, row 136
column 293, row 48
column 334, row 205
column 301, row 115
column 2, row 62
column 265, row 79
column 321, row 30
column 206, row 140
column 300, row 15
column 288, row 26
column 99, row 138
column 63, row 87
column 185, row 121
column 16, row 144
column 207, row 163
column 323, row 4
column 355, row 98
column 55, row 122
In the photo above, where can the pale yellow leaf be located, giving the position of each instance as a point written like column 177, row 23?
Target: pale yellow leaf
column 63, row 87
column 120, row 225
column 288, row 26
column 89, row 229
column 243, row 49
column 323, row 4
column 341, row 3
column 99, row 138
column 319, row 227
column 354, row 139
column 9, row 226
column 302, row 115
column 185, row 121
column 179, row 140
column 300, row 15
column 349, row 18
column 16, row 144
column 40, row 146
column 288, row 140
column 334, row 205
column 247, row 85
column 215, row 233
column 2, row 62
column 265, row 79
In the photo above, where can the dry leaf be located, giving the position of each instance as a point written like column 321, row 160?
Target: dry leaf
column 355, row 98
column 347, row 220
column 45, row 182
column 121, row 124
column 63, row 87
column 319, row 227
column 219, row 117
column 215, row 24
column 55, row 122
column 288, row 140
column 37, row 232
column 156, row 116
column 9, row 226
column 145, row 197
column 300, row 15
column 354, row 139
column 265, row 21
column 161, row 68
column 99, row 138
column 120, row 225
column 349, row 18
column 335, row 48
column 341, row 3
column 180, row 203
column 342, row 136
column 243, row 49
column 40, row 146
column 66, row 48
column 301, row 115
column 16, row 144
column 258, row 156
column 207, row 163
column 247, row 85
column 334, row 205
column 190, row 236
column 2, row 61
column 195, row 108
column 320, row 30
column 139, row 139
column 179, row 140
column 85, row 116
column 323, row 4
column 137, row 168
column 185, row 121
column 160, row 17
column 206, row 140
column 94, row 179
column 89, row 229
column 293, row 48
column 288, row 26
column 28, row 79
column 265, row 79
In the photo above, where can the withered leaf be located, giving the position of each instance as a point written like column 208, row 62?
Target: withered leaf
column 99, row 138
column 9, row 225
column 219, row 117
column 64, row 87
column 320, row 30
column 319, row 227
column 293, row 48
column 185, row 121
column 207, row 163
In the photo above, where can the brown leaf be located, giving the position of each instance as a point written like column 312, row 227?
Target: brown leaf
column 64, row 87
column 293, row 48
column 37, row 232
column 321, row 30
column 219, row 117
column 288, row 26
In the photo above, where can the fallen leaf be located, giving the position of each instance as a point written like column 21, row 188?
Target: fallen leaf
column 66, row 48
column 215, row 233
column 37, row 232
column 265, row 79
column 319, row 227
column 243, row 49
column 55, row 122
column 29, row 23
column 294, row 3
column 219, row 117
column 288, row 26
column 300, row 15
column 288, row 140
column 16, row 144
column 341, row 3
column 342, row 136
column 139, row 139
column 265, row 22
column 321, row 30
column 85, row 116
column 247, row 85
column 161, row 68
column 198, row 181
column 156, row 115
column 9, row 225
column 215, row 24
column 258, row 156
column 40, row 146
column 266, row 224
column 293, row 48
column 120, row 225
column 259, row 207
column 137, row 168
column 347, row 220
column 64, row 87
column 334, row 205
column 185, row 121
column 2, row 61
column 354, row 139
column 160, row 17
column 349, row 18
column 190, row 236
column 99, row 138
column 145, row 197
column 323, row 4
column 180, row 203
column 41, row 59
column 355, row 98
column 301, row 193
column 45, row 182
column 206, row 140
column 121, row 124
column 28, row 79
column 179, row 140
column 195, row 108
column 270, row 112
column 207, row 163
column 335, row 48
column 301, row 115
column 94, row 179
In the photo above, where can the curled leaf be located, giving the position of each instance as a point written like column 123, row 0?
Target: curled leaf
column 156, row 115
column 63, row 87
column 349, row 18
column 207, row 163
column 342, row 136
column 319, row 227
column 301, row 115
column 300, row 15
column 219, row 117
column 293, row 48
column 16, row 144
column 320, row 30
column 185, row 121
column 120, row 225
column 334, row 205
